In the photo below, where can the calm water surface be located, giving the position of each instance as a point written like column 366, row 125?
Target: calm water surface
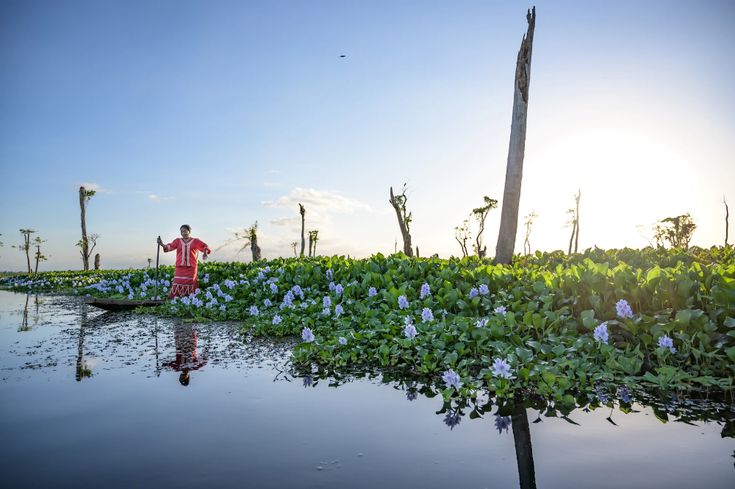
column 89, row 398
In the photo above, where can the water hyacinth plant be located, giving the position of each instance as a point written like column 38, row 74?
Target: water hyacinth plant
column 451, row 379
column 538, row 314
column 600, row 333
column 623, row 309
column 666, row 343
column 307, row 335
column 501, row 369
column 427, row 315
column 425, row 291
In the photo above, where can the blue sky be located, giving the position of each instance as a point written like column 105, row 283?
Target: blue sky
column 219, row 114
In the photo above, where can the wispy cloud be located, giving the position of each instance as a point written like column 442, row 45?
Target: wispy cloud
column 153, row 196
column 95, row 186
column 286, row 221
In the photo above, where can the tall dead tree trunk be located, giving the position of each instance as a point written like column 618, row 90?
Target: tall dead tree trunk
column 302, row 211
column 254, row 247
column 85, row 241
column 516, row 149
column 97, row 261
column 313, row 238
column 727, row 220
column 404, row 220
column 576, row 222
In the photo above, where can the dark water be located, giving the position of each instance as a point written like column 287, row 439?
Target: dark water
column 93, row 400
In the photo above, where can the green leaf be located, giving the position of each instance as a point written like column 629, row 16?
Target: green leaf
column 684, row 317
column 731, row 353
column 588, row 318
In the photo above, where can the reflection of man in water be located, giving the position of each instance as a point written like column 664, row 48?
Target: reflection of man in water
column 187, row 357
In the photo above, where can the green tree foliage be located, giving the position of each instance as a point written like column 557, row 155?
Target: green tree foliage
column 677, row 231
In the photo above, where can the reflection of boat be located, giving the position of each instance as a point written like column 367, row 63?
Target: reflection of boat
column 122, row 304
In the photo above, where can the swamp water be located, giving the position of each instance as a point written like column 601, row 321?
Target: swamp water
column 95, row 399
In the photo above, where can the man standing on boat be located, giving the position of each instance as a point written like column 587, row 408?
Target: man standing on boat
column 187, row 248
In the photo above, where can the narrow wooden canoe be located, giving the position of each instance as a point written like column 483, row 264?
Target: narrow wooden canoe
column 121, row 304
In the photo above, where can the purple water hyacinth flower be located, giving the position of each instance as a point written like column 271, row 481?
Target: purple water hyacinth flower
column 338, row 289
column 410, row 331
column 307, row 335
column 342, row 340
column 277, row 319
column 408, row 320
column 623, row 309
column 502, row 423
column 326, row 311
column 326, row 301
column 474, row 292
column 274, row 288
column 666, row 342
column 308, row 381
column 332, row 286
column 600, row 333
column 425, row 290
column 253, row 310
column 338, row 310
column 501, row 368
column 330, row 275
column 501, row 310
column 402, row 302
column 451, row 379
column 481, row 323
column 452, row 420
column 427, row 315
column 484, row 290
column 372, row 292
column 296, row 289
column 267, row 303
column 602, row 394
column 624, row 394
column 411, row 394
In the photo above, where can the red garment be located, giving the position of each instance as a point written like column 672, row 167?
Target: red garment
column 185, row 276
column 187, row 357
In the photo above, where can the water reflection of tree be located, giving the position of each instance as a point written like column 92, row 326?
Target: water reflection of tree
column 24, row 323
column 82, row 369
column 524, row 452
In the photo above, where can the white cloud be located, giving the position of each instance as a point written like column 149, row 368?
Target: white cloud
column 317, row 200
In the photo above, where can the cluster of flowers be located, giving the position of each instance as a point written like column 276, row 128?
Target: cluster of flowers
column 122, row 285
column 481, row 290
column 624, row 311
